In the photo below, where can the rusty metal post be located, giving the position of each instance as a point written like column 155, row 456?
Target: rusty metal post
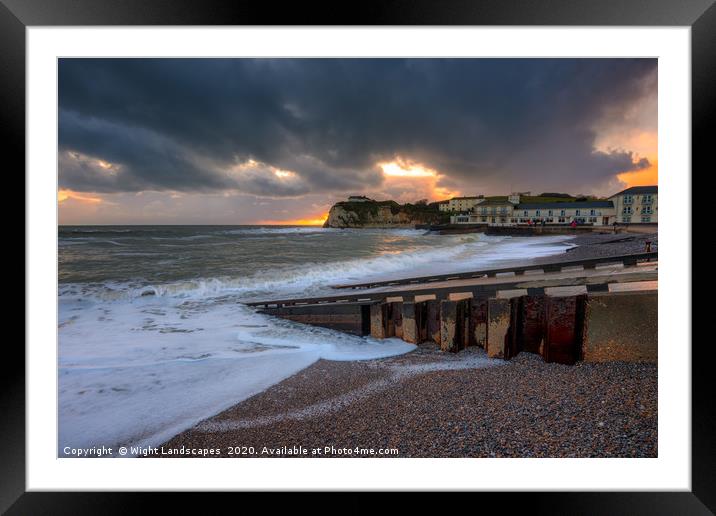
column 532, row 327
column 564, row 317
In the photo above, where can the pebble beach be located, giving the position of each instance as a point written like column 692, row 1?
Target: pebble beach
column 432, row 404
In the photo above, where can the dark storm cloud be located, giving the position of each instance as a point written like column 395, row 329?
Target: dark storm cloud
column 177, row 124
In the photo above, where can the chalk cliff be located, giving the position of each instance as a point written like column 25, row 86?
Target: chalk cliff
column 381, row 214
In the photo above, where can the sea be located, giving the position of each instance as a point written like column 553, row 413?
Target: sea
column 154, row 336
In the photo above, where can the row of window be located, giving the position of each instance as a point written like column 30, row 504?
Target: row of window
column 645, row 199
column 644, row 218
column 563, row 213
column 503, row 220
column 627, row 210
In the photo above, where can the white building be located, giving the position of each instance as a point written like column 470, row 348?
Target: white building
column 505, row 213
column 514, row 197
column 461, row 204
column 636, row 205
column 596, row 213
column 489, row 211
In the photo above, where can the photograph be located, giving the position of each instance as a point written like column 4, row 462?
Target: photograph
column 358, row 257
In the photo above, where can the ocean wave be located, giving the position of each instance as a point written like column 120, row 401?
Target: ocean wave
column 463, row 252
column 274, row 231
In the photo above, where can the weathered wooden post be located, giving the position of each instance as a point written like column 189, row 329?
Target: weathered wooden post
column 478, row 322
column 396, row 309
column 433, row 322
column 377, row 321
column 421, row 321
column 410, row 327
column 448, row 329
column 498, row 325
column 464, row 317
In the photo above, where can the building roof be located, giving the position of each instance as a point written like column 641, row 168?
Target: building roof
column 638, row 190
column 494, row 202
column 564, row 205
column 469, row 197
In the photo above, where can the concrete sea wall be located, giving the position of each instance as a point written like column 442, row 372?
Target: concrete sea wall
column 565, row 329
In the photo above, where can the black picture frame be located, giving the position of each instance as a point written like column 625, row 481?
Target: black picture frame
column 700, row 15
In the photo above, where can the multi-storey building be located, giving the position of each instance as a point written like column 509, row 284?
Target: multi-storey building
column 597, row 213
column 461, row 204
column 637, row 204
column 505, row 213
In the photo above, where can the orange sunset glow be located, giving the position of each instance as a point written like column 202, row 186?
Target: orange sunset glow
column 63, row 195
column 415, row 181
column 648, row 176
column 309, row 221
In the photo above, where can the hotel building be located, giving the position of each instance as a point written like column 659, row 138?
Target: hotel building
column 636, row 205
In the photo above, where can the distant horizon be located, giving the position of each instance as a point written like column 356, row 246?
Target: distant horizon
column 278, row 141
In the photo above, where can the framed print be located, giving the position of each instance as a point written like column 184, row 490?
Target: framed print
column 412, row 250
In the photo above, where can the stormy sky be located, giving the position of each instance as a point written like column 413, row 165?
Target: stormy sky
column 240, row 141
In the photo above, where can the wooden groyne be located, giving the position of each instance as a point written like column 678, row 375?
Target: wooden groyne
column 594, row 310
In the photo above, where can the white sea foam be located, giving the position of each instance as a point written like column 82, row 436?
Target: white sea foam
column 152, row 369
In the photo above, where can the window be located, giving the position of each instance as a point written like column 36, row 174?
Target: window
column 628, row 199
column 484, row 211
column 646, row 199
column 578, row 213
column 562, row 219
column 525, row 213
column 626, row 220
column 647, row 210
column 645, row 218
column 592, row 212
column 592, row 219
column 627, row 210
column 549, row 213
column 561, row 213
column 537, row 213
